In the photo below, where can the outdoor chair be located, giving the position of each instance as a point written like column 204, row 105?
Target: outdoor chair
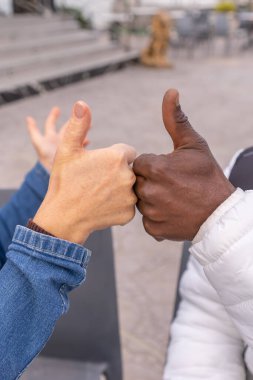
column 85, row 344
column 185, row 31
column 194, row 29
column 222, row 30
column 245, row 20
column 241, row 176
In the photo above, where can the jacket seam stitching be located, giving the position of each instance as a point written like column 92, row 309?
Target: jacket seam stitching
column 232, row 245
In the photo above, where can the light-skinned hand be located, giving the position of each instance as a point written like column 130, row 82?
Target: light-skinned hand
column 46, row 142
column 88, row 190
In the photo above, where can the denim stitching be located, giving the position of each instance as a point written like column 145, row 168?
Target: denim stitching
column 86, row 253
column 64, row 305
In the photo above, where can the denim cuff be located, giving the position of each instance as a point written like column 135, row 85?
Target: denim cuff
column 54, row 247
column 38, row 179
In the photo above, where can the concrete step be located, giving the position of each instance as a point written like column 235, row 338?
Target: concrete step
column 13, row 32
column 38, row 54
column 42, row 59
column 57, row 75
column 35, row 45
column 21, row 21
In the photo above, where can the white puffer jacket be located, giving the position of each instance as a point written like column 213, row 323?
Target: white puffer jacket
column 212, row 335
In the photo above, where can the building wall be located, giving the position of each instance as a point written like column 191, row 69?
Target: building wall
column 5, row 6
column 96, row 9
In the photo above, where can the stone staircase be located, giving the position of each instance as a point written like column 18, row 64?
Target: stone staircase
column 39, row 54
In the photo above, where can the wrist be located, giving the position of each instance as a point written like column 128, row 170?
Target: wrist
column 58, row 222
column 47, row 164
column 218, row 213
column 35, row 227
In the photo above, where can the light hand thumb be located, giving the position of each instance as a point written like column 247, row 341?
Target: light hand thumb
column 175, row 121
column 77, row 127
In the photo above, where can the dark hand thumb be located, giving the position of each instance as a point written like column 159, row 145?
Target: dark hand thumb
column 175, row 121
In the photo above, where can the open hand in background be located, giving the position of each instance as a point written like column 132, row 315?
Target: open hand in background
column 46, row 142
column 178, row 191
column 88, row 190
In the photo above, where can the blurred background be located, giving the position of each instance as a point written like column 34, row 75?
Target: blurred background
column 120, row 57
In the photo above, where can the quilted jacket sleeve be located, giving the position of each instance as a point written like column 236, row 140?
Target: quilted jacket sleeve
column 224, row 248
column 204, row 341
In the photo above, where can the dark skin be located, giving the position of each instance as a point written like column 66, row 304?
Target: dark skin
column 178, row 191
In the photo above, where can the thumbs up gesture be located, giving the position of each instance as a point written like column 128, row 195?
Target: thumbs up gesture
column 178, row 191
column 88, row 190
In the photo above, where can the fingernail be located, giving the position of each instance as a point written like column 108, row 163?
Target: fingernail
column 79, row 110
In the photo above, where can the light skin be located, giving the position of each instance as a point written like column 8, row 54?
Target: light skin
column 45, row 142
column 88, row 190
column 178, row 191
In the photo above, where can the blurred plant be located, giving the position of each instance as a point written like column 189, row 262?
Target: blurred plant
column 84, row 21
column 225, row 6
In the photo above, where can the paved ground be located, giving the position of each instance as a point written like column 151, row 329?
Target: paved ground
column 217, row 95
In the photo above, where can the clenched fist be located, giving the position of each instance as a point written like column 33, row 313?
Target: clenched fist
column 88, row 190
column 178, row 191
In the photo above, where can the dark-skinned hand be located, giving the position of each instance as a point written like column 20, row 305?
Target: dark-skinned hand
column 178, row 191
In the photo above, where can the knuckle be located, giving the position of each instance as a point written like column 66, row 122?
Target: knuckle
column 136, row 163
column 131, row 179
column 157, row 167
column 152, row 214
column 142, row 162
column 116, row 155
column 149, row 193
column 127, row 216
column 139, row 182
column 132, row 199
column 121, row 152
column 153, row 170
column 128, row 178
column 147, row 226
column 121, row 157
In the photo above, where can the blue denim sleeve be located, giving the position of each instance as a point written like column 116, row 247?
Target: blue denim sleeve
column 34, row 283
column 22, row 206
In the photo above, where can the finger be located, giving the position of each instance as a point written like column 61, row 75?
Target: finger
column 153, row 228
column 139, row 186
column 77, row 127
column 62, row 130
column 148, row 211
column 142, row 164
column 33, row 131
column 175, row 121
column 128, row 152
column 86, row 143
column 144, row 190
column 53, row 116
